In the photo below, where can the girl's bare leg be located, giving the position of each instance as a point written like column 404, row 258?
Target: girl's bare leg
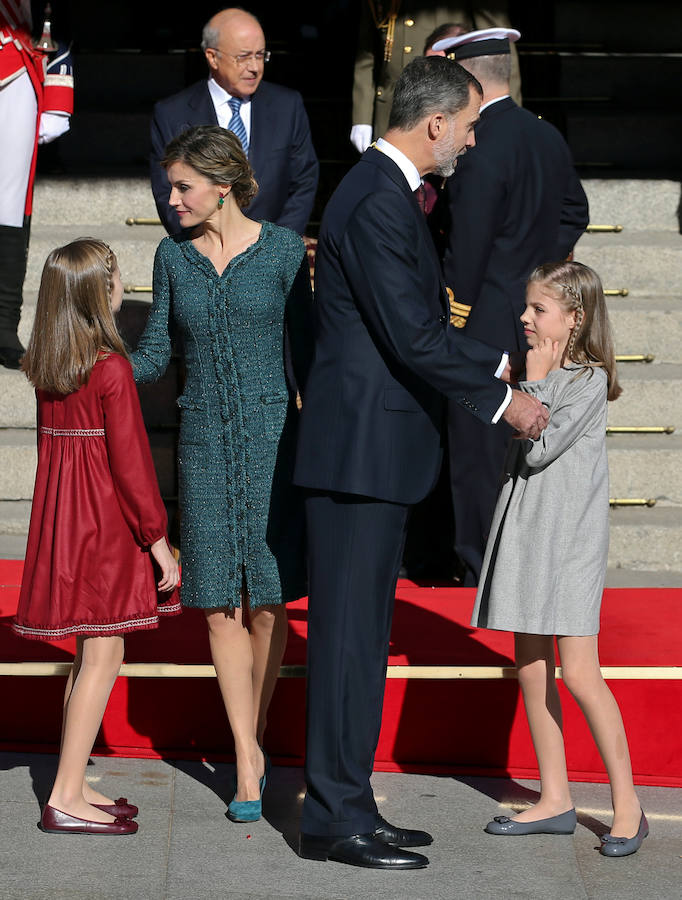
column 233, row 659
column 583, row 678
column 97, row 663
column 535, row 665
column 268, row 642
column 89, row 793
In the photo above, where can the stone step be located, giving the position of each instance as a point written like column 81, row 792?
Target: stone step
column 644, row 262
column 641, row 324
column 647, row 325
column 14, row 516
column 18, row 462
column 651, row 395
column 134, row 248
column 646, row 466
column 637, row 205
column 646, row 539
column 96, row 201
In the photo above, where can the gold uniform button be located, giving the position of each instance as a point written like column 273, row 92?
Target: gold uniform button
column 407, row 49
column 379, row 92
column 409, row 22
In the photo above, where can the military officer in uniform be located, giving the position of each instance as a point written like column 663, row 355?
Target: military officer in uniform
column 514, row 202
column 391, row 34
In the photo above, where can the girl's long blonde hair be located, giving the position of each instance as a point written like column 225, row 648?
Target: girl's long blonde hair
column 579, row 289
column 74, row 321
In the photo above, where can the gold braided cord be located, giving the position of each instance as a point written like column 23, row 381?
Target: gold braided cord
column 386, row 23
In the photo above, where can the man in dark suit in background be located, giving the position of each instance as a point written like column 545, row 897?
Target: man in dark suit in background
column 514, row 202
column 370, row 443
column 270, row 121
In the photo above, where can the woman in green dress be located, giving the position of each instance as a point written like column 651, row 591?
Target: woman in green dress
column 237, row 294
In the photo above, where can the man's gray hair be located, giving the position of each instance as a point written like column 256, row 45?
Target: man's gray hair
column 430, row 84
column 209, row 36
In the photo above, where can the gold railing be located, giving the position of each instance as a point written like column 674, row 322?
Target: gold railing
column 616, row 292
column 632, row 501
column 640, row 429
column 603, row 229
column 141, row 220
column 636, row 357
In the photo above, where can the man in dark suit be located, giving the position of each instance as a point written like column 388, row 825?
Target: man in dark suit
column 370, row 443
column 514, row 202
column 270, row 121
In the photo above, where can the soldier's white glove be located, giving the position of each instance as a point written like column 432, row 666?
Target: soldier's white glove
column 361, row 137
column 52, row 126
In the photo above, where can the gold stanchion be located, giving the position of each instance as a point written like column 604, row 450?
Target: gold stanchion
column 137, row 288
column 616, row 292
column 136, row 220
column 640, row 429
column 636, row 357
column 631, row 501
column 603, row 229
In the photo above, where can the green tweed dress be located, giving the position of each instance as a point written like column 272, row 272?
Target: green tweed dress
column 246, row 338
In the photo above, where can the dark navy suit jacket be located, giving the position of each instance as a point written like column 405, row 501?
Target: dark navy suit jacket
column 514, row 202
column 385, row 357
column 281, row 151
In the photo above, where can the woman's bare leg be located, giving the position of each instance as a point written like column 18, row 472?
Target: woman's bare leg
column 268, row 643
column 583, row 678
column 98, row 660
column 535, row 664
column 233, row 659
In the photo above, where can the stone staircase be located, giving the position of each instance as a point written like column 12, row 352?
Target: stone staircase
column 645, row 258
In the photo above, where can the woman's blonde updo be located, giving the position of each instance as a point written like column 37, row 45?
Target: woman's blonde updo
column 216, row 154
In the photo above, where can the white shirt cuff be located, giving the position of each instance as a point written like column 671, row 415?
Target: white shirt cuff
column 505, row 403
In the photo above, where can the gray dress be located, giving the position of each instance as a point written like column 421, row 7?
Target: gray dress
column 545, row 562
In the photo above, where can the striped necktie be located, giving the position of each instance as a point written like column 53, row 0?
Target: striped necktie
column 236, row 123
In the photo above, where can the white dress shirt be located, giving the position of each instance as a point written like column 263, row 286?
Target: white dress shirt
column 221, row 99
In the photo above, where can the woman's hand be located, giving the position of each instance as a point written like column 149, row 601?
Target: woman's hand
column 540, row 359
column 170, row 573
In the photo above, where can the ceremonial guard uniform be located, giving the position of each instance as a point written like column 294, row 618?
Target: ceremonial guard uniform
column 36, row 100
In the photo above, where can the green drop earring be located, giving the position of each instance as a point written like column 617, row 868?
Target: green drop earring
column 221, row 201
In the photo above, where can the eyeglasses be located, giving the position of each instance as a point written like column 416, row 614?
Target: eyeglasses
column 242, row 61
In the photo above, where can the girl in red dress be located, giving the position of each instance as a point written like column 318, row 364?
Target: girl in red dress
column 97, row 518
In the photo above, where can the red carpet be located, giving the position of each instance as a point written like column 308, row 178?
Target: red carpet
column 461, row 725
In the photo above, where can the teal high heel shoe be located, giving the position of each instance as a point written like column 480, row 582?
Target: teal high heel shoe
column 249, row 810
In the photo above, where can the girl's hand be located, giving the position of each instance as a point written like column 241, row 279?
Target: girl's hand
column 170, row 573
column 540, row 359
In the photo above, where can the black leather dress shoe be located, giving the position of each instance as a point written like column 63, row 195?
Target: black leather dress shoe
column 401, row 837
column 363, row 850
column 10, row 357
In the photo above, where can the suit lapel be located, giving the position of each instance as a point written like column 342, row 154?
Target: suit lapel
column 259, row 115
column 386, row 164
column 201, row 104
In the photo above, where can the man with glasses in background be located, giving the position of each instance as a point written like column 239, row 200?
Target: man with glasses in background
column 269, row 120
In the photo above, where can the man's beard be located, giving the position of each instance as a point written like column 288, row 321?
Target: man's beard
column 445, row 160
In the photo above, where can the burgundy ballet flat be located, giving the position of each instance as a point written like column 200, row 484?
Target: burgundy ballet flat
column 119, row 807
column 54, row 821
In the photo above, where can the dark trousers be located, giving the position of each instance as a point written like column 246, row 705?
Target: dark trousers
column 354, row 549
column 477, row 452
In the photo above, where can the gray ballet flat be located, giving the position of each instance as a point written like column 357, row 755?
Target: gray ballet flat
column 618, row 846
column 563, row 824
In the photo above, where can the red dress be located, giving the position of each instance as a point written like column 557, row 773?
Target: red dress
column 96, row 511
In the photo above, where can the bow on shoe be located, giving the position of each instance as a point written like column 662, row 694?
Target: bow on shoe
column 502, row 819
column 610, row 839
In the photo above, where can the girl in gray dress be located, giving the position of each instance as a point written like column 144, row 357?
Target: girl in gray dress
column 545, row 562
